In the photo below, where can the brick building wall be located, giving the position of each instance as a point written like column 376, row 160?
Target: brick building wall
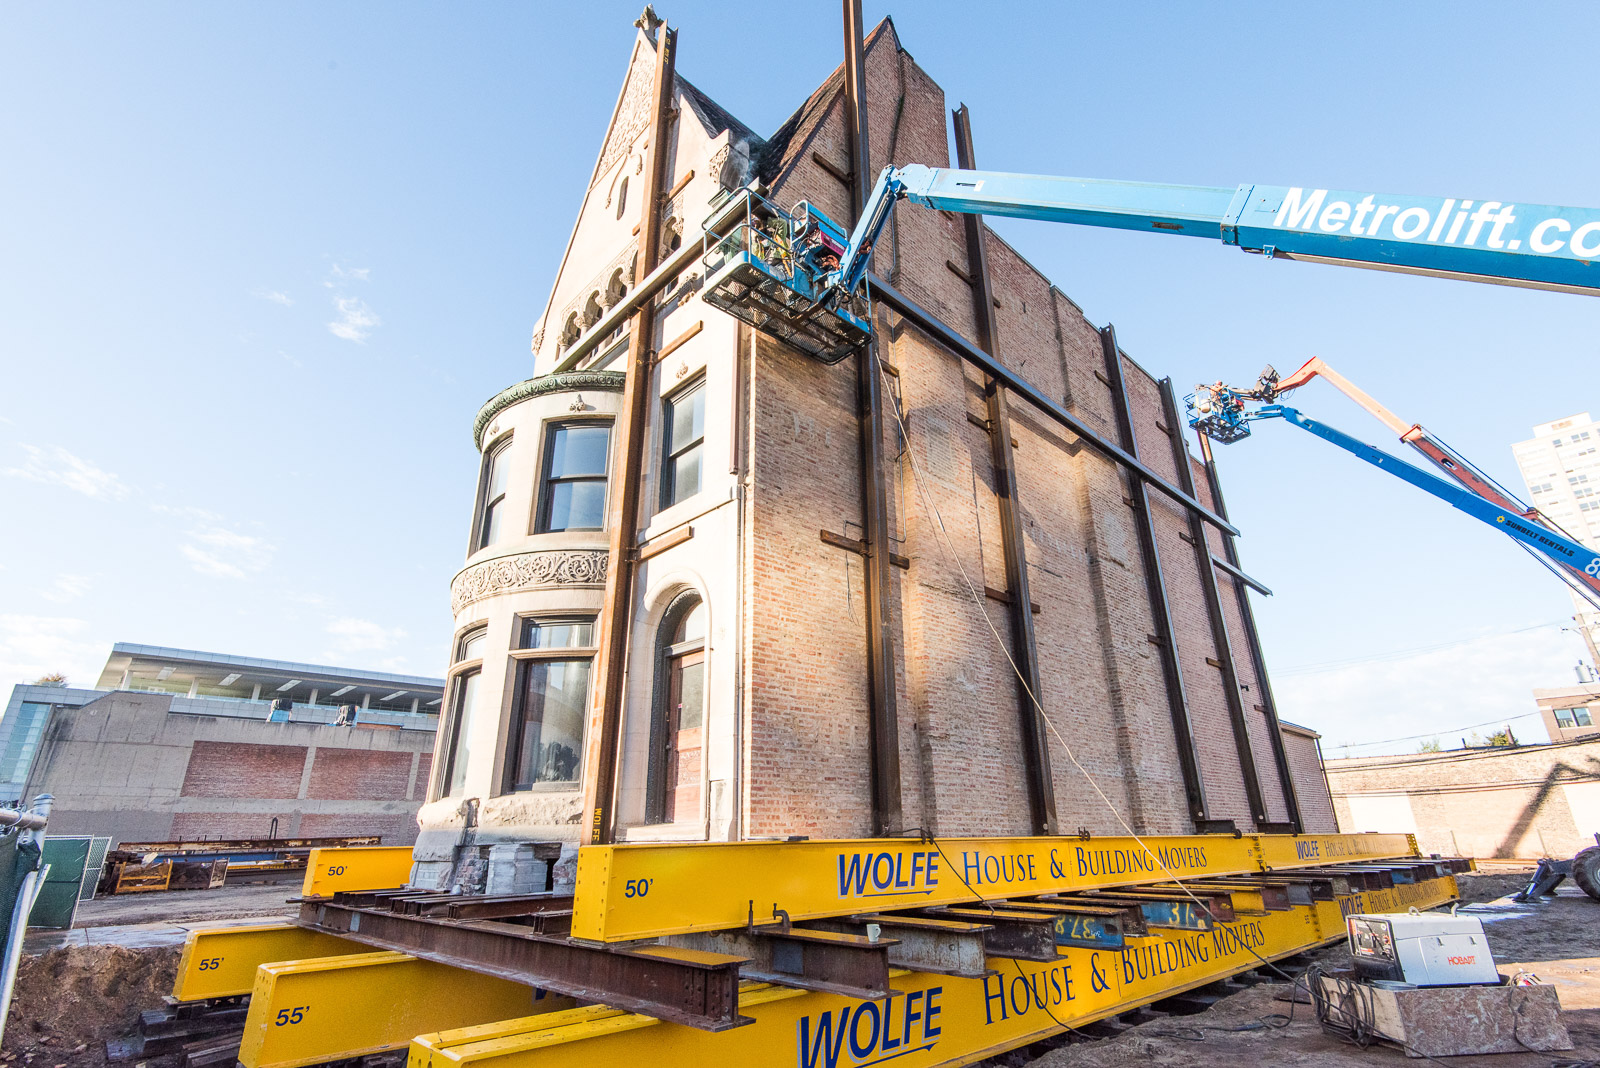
column 125, row 765
column 1525, row 802
column 960, row 735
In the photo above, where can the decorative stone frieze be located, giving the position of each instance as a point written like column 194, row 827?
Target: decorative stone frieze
column 526, row 571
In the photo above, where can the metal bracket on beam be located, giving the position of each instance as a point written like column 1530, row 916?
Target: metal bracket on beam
column 922, row 944
column 829, row 962
column 1015, row 935
column 684, row 986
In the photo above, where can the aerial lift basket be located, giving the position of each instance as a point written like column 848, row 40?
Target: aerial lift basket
column 761, row 271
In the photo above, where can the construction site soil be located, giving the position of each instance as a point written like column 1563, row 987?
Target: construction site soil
column 72, row 998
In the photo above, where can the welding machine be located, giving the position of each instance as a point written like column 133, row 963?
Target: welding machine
column 1421, row 948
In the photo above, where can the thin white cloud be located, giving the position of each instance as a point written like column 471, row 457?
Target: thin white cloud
column 355, row 321
column 223, row 553
column 352, row 635
column 276, row 296
column 350, row 274
column 67, row 587
column 58, row 467
column 31, row 646
column 1437, row 692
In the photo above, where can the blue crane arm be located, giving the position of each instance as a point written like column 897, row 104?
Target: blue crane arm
column 1561, row 549
column 1530, row 245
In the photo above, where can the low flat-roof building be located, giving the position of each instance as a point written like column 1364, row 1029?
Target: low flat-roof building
column 177, row 743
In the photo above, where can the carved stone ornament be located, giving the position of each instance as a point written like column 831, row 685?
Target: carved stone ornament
column 526, row 571
column 565, row 382
column 633, row 113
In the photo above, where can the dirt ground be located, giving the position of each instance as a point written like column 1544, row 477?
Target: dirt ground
column 78, row 988
column 1558, row 939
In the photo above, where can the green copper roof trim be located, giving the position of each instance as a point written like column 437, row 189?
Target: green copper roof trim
column 566, row 382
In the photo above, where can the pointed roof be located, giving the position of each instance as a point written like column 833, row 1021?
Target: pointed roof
column 790, row 138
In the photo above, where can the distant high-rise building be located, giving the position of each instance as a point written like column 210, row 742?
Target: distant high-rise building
column 1561, row 466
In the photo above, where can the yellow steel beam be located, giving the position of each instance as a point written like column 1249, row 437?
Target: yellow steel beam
column 357, row 868
column 934, row 1019
column 221, row 962
column 314, row 1011
column 645, row 891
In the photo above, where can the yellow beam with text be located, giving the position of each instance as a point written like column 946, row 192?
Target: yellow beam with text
column 221, row 962
column 313, row 1011
column 933, row 1019
column 645, row 891
column 329, row 871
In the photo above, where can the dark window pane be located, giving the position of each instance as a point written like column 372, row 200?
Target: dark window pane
column 685, row 476
column 553, row 703
column 538, row 634
column 577, row 506
column 497, row 473
column 491, row 522
column 578, row 450
column 1582, row 716
column 461, row 734
column 693, row 696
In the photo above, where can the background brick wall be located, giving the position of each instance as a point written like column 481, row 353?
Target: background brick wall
column 352, row 774
column 1101, row 681
column 221, row 769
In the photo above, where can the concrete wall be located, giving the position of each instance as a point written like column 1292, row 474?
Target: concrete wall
column 124, row 765
column 1528, row 802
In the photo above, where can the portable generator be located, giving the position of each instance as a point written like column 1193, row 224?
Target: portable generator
column 1422, row 949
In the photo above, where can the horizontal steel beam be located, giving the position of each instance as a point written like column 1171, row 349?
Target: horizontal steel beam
column 682, row 985
column 1222, row 565
column 930, row 324
column 835, row 962
column 646, row 891
column 309, row 1012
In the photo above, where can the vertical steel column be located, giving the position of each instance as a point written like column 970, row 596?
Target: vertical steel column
column 605, row 715
column 883, row 708
column 1269, row 707
column 1219, row 622
column 1024, row 649
column 1160, row 612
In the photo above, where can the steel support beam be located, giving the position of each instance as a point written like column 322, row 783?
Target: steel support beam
column 1024, row 649
column 682, row 985
column 1269, row 707
column 632, row 431
column 718, row 886
column 1231, row 691
column 882, row 702
column 307, row 1012
column 1194, row 786
column 834, row 962
column 934, row 327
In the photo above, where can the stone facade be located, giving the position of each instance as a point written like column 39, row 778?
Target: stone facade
column 785, row 736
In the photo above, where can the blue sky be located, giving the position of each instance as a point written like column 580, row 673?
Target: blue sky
column 264, row 262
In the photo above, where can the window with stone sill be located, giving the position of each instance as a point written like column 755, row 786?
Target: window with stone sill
column 677, row 734
column 572, row 489
column 550, row 702
column 683, row 440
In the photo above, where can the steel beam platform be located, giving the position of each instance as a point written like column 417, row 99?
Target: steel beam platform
column 935, row 1020
column 685, row 986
